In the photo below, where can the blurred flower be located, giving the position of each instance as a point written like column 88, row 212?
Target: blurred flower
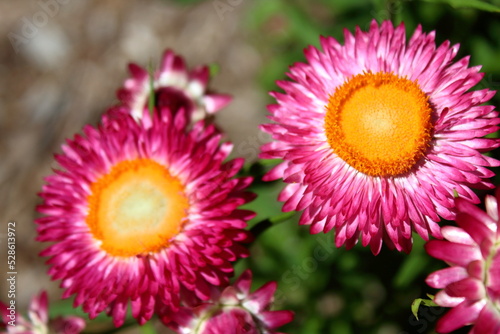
column 471, row 286
column 376, row 135
column 39, row 322
column 174, row 87
column 143, row 211
column 233, row 311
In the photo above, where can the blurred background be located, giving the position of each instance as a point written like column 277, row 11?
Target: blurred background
column 62, row 61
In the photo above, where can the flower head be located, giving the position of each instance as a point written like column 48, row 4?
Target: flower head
column 39, row 322
column 143, row 212
column 234, row 310
column 377, row 134
column 174, row 87
column 471, row 285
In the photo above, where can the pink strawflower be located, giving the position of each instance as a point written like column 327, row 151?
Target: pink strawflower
column 376, row 135
column 143, row 212
column 175, row 88
column 38, row 321
column 471, row 286
column 234, row 310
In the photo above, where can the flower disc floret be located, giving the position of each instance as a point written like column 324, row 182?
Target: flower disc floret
column 379, row 123
column 136, row 208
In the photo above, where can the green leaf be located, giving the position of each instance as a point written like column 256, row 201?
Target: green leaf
column 474, row 4
column 415, row 305
column 426, row 302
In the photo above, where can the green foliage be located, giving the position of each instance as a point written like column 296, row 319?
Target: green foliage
column 474, row 4
column 148, row 328
column 414, row 265
column 420, row 301
column 184, row 2
column 214, row 69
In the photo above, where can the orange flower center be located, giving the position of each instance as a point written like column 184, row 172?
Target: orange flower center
column 136, row 208
column 379, row 123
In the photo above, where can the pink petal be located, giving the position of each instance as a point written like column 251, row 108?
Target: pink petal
column 39, row 306
column 493, row 273
column 261, row 298
column 471, row 210
column 491, row 207
column 469, row 288
column 476, row 269
column 441, row 278
column 215, row 102
column 275, row 319
column 457, row 254
column 445, row 300
column 244, row 282
column 457, row 235
column 488, row 321
column 464, row 314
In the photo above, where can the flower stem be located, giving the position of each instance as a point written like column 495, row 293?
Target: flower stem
column 151, row 99
column 263, row 225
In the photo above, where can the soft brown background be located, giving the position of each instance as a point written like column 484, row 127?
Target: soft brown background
column 64, row 74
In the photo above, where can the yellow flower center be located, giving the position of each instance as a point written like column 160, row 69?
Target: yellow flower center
column 136, row 208
column 379, row 123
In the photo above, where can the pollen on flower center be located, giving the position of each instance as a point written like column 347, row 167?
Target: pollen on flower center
column 379, row 123
column 136, row 208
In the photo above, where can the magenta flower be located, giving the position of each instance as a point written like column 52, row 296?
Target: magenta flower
column 471, row 285
column 38, row 321
column 174, row 87
column 376, row 135
column 143, row 212
column 233, row 311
